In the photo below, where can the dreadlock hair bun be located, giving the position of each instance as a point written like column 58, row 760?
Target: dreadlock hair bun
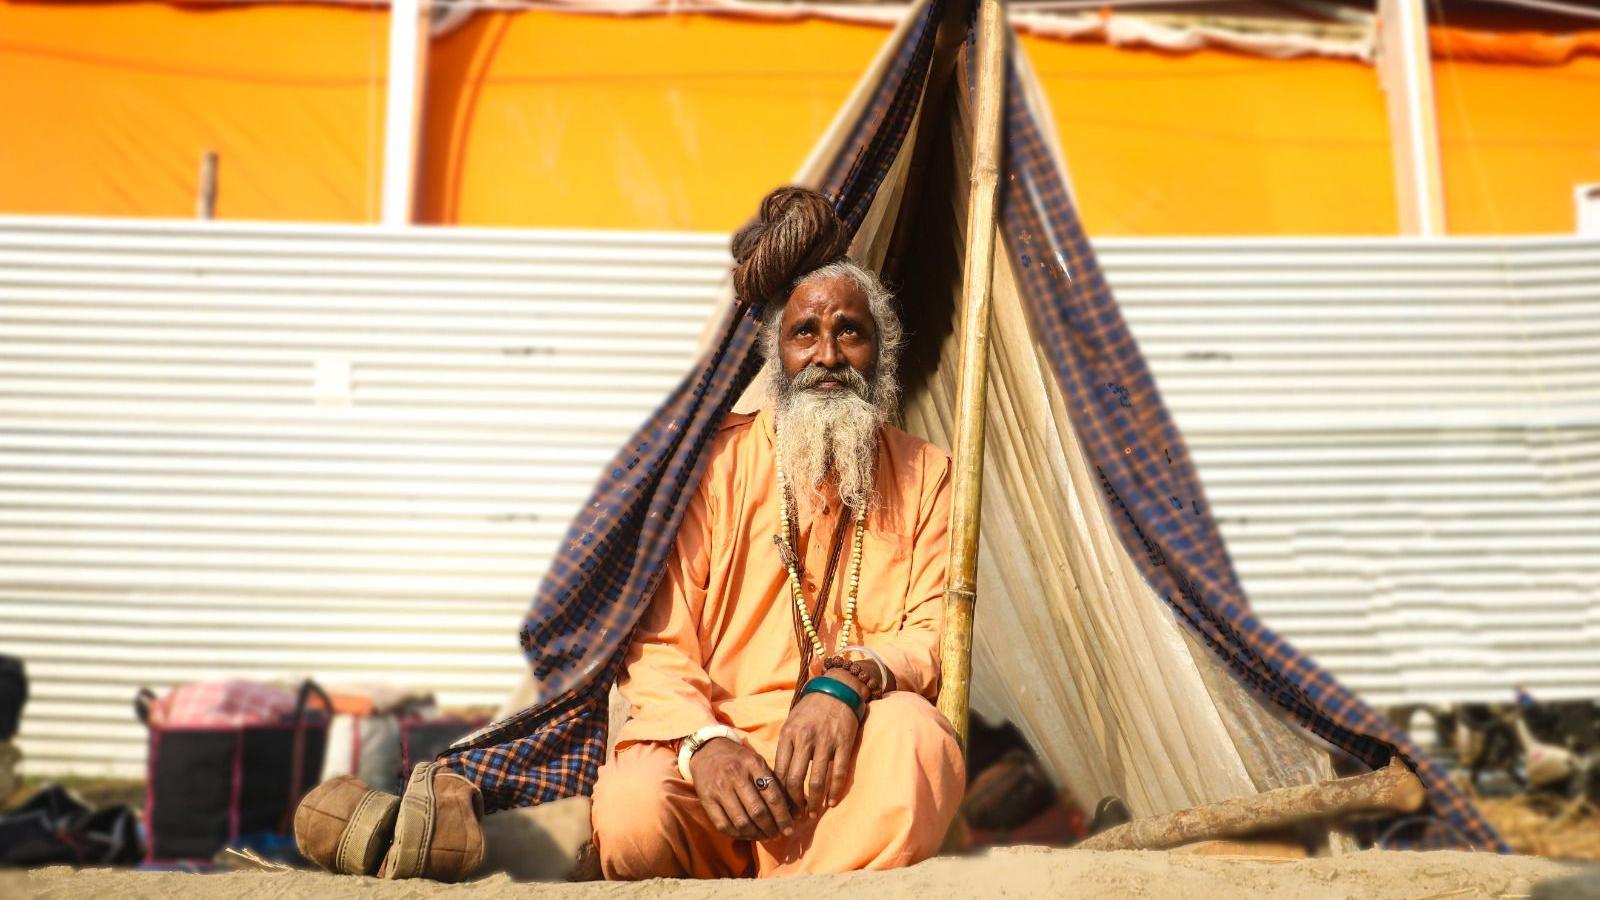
column 795, row 232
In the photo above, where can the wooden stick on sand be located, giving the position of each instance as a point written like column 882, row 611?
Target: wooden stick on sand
column 1390, row 789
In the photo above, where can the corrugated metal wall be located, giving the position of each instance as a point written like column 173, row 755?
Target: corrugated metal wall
column 258, row 451
column 1402, row 442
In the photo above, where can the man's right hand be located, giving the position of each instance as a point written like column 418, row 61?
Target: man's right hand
column 725, row 774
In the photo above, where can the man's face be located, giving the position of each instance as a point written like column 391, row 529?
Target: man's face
column 827, row 324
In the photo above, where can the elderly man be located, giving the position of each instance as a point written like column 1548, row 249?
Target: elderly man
column 780, row 681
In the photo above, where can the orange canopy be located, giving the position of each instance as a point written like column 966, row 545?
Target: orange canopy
column 678, row 122
column 1520, row 47
column 673, row 122
column 109, row 107
column 1514, row 142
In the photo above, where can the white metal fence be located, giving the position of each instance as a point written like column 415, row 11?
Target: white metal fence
column 348, row 452
column 1402, row 441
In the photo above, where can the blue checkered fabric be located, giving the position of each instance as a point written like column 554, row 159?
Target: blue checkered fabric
column 612, row 559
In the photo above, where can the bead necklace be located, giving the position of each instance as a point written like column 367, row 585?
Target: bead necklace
column 791, row 562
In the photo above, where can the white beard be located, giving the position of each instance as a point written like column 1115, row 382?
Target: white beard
column 829, row 433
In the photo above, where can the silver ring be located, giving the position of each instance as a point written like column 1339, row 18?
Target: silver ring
column 763, row 783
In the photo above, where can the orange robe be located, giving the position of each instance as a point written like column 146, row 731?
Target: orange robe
column 717, row 645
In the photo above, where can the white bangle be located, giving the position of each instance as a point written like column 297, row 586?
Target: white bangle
column 694, row 742
column 883, row 670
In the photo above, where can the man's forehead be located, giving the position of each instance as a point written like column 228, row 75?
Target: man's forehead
column 826, row 295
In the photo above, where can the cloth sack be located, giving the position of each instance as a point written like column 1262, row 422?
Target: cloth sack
column 366, row 746
column 364, row 739
column 228, row 764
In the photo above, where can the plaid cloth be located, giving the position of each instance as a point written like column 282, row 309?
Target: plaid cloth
column 598, row 586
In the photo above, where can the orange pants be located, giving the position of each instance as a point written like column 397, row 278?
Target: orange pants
column 904, row 789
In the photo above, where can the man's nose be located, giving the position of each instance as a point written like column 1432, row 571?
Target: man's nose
column 828, row 355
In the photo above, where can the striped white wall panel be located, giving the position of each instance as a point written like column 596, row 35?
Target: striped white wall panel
column 261, row 451
column 1401, row 441
column 270, row 450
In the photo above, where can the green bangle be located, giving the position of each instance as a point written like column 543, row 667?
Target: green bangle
column 836, row 689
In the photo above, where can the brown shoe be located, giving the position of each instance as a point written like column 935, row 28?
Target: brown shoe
column 439, row 833
column 345, row 826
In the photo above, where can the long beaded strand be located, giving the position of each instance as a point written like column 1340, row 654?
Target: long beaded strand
column 791, row 563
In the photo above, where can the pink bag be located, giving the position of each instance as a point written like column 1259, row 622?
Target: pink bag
column 223, row 703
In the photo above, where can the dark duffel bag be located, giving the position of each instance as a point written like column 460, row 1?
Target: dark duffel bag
column 423, row 738
column 55, row 827
column 215, row 785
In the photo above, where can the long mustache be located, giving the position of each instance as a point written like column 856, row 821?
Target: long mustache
column 815, row 374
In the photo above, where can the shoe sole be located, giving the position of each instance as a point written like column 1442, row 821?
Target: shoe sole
column 413, row 831
column 363, row 841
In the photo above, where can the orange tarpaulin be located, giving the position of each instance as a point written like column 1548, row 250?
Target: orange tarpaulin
column 1212, row 142
column 679, row 122
column 676, row 122
column 1514, row 142
column 106, row 109
column 669, row 122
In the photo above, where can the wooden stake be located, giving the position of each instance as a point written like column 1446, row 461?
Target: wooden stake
column 955, row 650
column 205, row 204
column 1390, row 789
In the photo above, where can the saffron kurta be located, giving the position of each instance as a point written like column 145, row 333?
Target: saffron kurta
column 718, row 645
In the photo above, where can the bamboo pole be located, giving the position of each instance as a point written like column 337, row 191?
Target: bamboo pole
column 960, row 595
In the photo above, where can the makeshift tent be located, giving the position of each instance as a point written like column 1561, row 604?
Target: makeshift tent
column 1097, row 542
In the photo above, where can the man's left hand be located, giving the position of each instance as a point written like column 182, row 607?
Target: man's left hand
column 816, row 749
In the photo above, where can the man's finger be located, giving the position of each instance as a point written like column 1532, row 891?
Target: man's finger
column 780, row 763
column 817, row 782
column 771, row 791
column 719, row 819
column 725, row 811
column 794, row 776
column 764, row 825
column 838, row 773
column 738, row 817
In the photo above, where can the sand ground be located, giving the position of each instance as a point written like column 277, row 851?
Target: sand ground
column 1022, row 872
